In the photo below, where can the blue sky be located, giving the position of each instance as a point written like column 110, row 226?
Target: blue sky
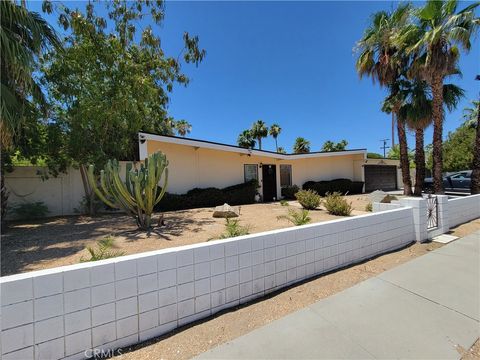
column 290, row 63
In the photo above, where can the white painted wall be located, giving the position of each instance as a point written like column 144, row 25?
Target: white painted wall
column 62, row 312
column 61, row 194
column 463, row 209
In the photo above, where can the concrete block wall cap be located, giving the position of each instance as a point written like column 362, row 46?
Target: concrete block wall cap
column 124, row 258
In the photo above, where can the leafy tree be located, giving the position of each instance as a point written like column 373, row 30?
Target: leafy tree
column 330, row 146
column 394, row 153
column 246, row 140
column 372, row 155
column 383, row 60
column 109, row 83
column 301, row 146
column 259, row 130
column 274, row 131
column 281, row 150
column 182, row 127
column 25, row 36
column 458, row 149
column 441, row 32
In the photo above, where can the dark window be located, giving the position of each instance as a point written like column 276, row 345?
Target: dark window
column 285, row 175
column 250, row 172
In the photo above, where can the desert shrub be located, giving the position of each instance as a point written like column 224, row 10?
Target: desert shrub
column 28, row 211
column 208, row 197
column 388, row 199
column 369, row 207
column 343, row 186
column 288, row 192
column 297, row 218
column 284, row 202
column 337, row 205
column 103, row 250
column 309, row 199
column 233, row 229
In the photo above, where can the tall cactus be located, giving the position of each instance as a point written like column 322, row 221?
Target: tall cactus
column 139, row 193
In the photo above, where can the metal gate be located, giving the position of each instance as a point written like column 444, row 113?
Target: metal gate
column 432, row 212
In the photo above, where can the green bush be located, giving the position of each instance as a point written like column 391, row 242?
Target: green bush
column 297, row 218
column 288, row 192
column 284, row 203
column 233, row 229
column 369, row 207
column 337, row 205
column 208, row 197
column 103, row 250
column 26, row 211
column 309, row 199
column 343, row 186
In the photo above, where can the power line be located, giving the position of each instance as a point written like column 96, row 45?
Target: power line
column 384, row 147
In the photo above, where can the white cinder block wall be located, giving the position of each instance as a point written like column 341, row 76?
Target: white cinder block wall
column 463, row 209
column 61, row 312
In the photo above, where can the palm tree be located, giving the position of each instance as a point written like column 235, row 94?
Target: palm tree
column 183, row 127
column 475, row 121
column 416, row 112
column 275, row 130
column 281, row 150
column 259, row 130
column 470, row 114
column 301, row 146
column 381, row 59
column 25, row 36
column 392, row 104
column 246, row 140
column 441, row 31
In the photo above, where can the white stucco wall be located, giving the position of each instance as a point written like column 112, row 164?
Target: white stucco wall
column 191, row 167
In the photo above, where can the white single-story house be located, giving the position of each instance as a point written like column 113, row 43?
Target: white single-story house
column 200, row 164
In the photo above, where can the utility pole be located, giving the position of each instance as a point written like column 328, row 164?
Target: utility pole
column 384, row 147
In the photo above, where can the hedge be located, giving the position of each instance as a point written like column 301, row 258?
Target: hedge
column 342, row 186
column 239, row 194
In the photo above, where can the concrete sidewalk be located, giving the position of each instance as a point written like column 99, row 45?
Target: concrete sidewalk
column 426, row 308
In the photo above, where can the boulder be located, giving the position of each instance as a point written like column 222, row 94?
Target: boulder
column 377, row 196
column 226, row 211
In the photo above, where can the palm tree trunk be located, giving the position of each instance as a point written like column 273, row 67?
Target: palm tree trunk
column 437, row 115
column 475, row 184
column 404, row 163
column 260, row 143
column 419, row 162
column 276, row 145
column 393, row 129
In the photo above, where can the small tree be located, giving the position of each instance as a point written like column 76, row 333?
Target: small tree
column 274, row 131
column 139, row 193
column 246, row 140
column 331, row 146
column 259, row 130
column 301, row 146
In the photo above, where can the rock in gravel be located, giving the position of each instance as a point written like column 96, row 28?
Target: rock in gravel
column 377, row 196
column 226, row 211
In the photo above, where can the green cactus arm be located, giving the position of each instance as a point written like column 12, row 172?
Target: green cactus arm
column 128, row 180
column 121, row 189
column 93, row 184
column 137, row 191
column 164, row 188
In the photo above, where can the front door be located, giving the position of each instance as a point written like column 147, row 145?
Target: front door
column 269, row 182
